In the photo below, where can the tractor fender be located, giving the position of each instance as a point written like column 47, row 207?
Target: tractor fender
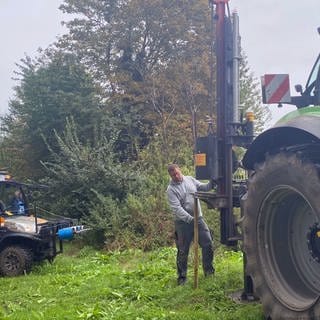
column 297, row 130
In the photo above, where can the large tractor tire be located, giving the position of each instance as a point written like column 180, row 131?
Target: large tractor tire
column 281, row 231
column 15, row 260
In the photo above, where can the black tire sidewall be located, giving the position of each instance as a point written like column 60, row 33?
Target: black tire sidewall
column 277, row 170
column 23, row 256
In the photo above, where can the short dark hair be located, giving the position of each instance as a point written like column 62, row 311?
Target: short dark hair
column 172, row 166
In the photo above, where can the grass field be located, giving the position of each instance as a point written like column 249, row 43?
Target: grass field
column 88, row 284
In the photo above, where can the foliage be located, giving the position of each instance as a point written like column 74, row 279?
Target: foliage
column 114, row 199
column 125, row 285
column 49, row 92
column 150, row 56
column 154, row 62
column 86, row 180
column 123, row 40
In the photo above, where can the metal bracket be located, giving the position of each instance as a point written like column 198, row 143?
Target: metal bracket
column 212, row 200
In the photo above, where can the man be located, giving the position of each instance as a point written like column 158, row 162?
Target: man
column 180, row 196
column 18, row 203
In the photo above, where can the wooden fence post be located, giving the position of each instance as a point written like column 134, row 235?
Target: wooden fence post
column 196, row 241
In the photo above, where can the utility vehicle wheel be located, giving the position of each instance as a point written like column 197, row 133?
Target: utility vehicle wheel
column 15, row 260
column 281, row 230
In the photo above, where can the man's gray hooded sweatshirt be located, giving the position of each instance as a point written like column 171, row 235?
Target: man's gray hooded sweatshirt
column 181, row 200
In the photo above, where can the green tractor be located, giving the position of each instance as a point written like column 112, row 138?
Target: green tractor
column 281, row 209
column 277, row 216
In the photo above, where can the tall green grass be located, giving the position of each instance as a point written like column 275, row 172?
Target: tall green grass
column 88, row 284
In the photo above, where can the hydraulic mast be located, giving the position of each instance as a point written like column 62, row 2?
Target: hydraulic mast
column 224, row 156
column 217, row 147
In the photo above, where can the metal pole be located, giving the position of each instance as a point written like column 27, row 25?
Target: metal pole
column 221, row 113
column 236, row 63
column 35, row 216
column 196, row 241
column 211, row 101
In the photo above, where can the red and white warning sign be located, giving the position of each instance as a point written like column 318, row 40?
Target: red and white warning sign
column 275, row 88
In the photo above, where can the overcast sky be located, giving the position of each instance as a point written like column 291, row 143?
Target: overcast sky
column 25, row 25
column 278, row 36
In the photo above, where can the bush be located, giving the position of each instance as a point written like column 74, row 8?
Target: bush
column 125, row 205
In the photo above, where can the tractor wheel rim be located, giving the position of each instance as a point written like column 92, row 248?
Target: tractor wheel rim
column 289, row 267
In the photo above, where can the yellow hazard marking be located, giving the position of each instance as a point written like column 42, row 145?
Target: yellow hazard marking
column 200, row 159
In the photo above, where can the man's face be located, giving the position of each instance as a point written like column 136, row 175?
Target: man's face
column 176, row 175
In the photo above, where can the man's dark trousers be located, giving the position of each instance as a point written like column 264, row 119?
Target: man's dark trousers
column 184, row 236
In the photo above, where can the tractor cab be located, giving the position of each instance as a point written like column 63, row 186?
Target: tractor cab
column 313, row 83
column 276, row 89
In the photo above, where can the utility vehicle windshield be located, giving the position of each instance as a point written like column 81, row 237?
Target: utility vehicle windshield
column 12, row 199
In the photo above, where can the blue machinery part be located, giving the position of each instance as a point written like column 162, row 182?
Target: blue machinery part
column 68, row 233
